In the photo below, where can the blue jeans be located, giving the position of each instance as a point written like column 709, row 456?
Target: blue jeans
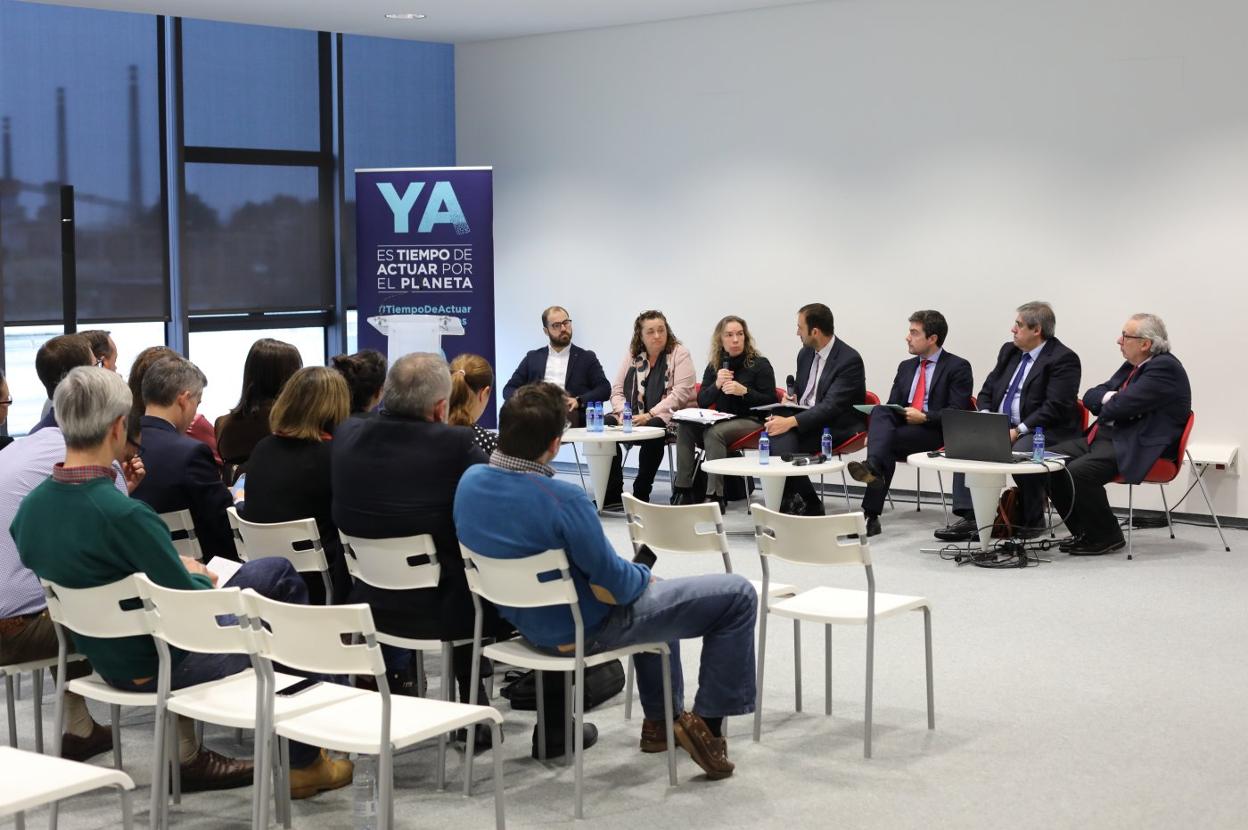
column 274, row 578
column 719, row 608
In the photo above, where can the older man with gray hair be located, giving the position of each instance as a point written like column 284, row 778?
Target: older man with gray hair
column 1141, row 413
column 78, row 530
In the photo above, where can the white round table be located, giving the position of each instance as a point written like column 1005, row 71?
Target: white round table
column 600, row 451
column 984, row 479
column 772, row 475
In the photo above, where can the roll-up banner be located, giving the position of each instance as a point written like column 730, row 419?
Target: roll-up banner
column 425, row 263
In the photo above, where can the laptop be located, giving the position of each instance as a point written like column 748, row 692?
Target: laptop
column 977, row 436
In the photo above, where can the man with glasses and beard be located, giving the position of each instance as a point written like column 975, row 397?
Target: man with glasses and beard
column 568, row 366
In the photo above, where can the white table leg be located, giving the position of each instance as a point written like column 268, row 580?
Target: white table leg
column 773, row 491
column 599, row 456
column 985, row 495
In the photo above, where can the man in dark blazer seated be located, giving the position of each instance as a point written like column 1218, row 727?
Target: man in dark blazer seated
column 931, row 381
column 1141, row 414
column 576, row 370
column 181, row 472
column 1035, row 383
column 830, row 380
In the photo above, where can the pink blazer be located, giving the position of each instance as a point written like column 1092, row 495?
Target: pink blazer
column 678, row 384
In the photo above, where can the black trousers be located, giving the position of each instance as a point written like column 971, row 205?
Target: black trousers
column 1080, row 497
column 889, row 440
column 797, row 441
column 650, row 455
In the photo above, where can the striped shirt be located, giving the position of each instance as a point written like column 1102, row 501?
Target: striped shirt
column 24, row 465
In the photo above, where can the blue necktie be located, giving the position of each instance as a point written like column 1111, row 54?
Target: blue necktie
column 1007, row 405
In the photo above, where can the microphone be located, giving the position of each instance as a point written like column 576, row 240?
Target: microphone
column 790, row 386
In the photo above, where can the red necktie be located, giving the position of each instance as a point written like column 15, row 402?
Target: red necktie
column 1121, row 389
column 920, row 388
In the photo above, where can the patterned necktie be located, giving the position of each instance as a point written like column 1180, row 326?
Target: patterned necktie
column 1007, row 404
column 920, row 388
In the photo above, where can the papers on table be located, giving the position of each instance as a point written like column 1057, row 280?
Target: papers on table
column 865, row 408
column 223, row 568
column 694, row 415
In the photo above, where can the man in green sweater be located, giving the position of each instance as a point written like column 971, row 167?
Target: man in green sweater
column 77, row 530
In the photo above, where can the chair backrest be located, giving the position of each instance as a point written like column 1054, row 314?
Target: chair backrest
column 1084, row 415
column 686, row 528
column 1187, row 433
column 812, row 540
column 780, row 393
column 299, row 542
column 872, row 398
column 315, row 638
column 528, row 582
column 106, row 611
column 399, row 563
column 206, row 621
column 182, row 533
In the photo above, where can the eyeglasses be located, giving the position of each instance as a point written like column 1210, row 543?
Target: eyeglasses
column 1126, row 336
column 562, row 324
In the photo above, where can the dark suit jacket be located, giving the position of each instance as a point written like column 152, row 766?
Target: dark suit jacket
column 183, row 475
column 1047, row 397
column 585, row 379
column 396, row 476
column 1148, row 416
column 842, row 383
column 952, row 382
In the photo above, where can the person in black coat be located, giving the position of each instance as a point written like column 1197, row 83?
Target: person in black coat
column 394, row 475
column 564, row 364
column 931, row 381
column 288, row 475
column 1141, row 414
column 1036, row 383
column 736, row 379
column 181, row 472
column 831, row 379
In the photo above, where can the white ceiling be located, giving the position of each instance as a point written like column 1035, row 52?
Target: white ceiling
column 451, row 21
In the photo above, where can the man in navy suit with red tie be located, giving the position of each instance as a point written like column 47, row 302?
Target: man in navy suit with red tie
column 1141, row 414
column 931, row 381
column 1036, row 384
column 575, row 370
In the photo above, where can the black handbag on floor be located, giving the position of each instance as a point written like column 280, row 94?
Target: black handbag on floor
column 602, row 682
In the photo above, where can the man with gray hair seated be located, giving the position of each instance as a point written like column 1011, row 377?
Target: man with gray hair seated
column 1141, row 413
column 77, row 530
column 181, row 472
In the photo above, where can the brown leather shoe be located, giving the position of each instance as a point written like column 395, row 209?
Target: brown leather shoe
column 707, row 751
column 210, row 770
column 324, row 773
column 74, row 748
column 653, row 736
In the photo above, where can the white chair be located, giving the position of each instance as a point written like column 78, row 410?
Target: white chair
column 105, row 612
column 324, row 640
column 687, row 529
column 12, row 675
column 298, row 542
column 517, row 583
column 182, row 533
column 829, row 540
column 32, row 780
column 197, row 621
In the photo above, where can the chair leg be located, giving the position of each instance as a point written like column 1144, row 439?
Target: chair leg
column 284, row 792
column 827, row 669
column 422, row 682
column 58, row 722
column 1200, row 479
column 1166, row 507
column 667, row 717
column 9, row 700
column 845, row 489
column 927, row 642
column 918, row 490
column 570, row 722
column 199, row 732
column 160, row 769
column 385, row 786
column 114, row 712
column 866, row 726
column 758, row 674
column 127, row 810
column 36, row 680
column 171, row 750
column 448, row 696
column 797, row 665
column 581, row 472
column 541, row 716
column 628, row 689
column 578, row 717
column 500, row 821
column 944, row 508
column 1130, row 521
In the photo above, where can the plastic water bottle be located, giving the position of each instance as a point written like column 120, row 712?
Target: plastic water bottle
column 764, row 449
column 825, row 443
column 364, row 794
column 1037, row 447
column 591, row 417
column 627, row 418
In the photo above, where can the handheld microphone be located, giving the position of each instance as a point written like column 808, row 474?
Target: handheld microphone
column 790, row 386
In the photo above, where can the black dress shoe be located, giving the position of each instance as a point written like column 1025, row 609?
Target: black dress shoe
column 792, row 505
column 721, row 501
column 963, row 530
column 484, row 738
column 864, row 472
column 1095, row 548
column 554, row 740
column 680, row 495
column 873, row 526
column 75, row 748
column 1065, row 545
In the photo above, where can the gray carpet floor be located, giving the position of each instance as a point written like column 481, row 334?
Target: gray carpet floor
column 1079, row 693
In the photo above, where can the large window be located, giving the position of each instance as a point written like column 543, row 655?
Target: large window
column 221, row 354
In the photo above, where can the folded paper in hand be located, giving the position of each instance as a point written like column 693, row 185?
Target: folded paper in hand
column 223, row 568
column 701, row 416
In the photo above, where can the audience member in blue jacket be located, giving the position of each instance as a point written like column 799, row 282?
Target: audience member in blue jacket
column 514, row 508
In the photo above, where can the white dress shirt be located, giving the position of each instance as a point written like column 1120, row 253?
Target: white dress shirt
column 816, row 368
column 557, row 365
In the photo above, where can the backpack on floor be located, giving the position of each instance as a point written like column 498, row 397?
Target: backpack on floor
column 602, row 682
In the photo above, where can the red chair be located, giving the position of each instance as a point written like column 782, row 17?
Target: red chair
column 1164, row 471
column 853, row 444
column 749, row 441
